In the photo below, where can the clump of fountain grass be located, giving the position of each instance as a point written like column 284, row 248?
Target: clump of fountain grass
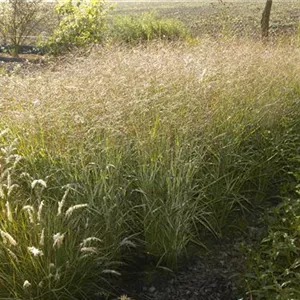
column 49, row 249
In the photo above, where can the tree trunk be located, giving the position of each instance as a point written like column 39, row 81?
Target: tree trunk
column 265, row 19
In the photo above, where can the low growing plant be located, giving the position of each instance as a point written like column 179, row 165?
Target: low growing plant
column 274, row 265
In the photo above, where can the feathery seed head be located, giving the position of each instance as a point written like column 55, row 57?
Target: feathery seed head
column 40, row 182
column 9, row 182
column 7, row 238
column 90, row 239
column 113, row 272
column 30, row 211
column 57, row 275
column 89, row 250
column 58, row 239
column 63, row 200
column 12, row 254
column 39, row 215
column 4, row 132
column 70, row 211
column 42, row 237
column 11, row 188
column 35, row 251
column 26, row 284
column 8, row 212
column 128, row 243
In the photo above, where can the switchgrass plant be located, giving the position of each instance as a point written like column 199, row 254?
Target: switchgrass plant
column 167, row 145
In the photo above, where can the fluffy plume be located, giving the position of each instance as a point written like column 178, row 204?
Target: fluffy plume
column 70, row 211
column 26, row 284
column 30, row 211
column 12, row 254
column 62, row 202
column 39, row 215
column 41, row 182
column 42, row 237
column 8, row 212
column 112, row 272
column 58, row 239
column 88, row 240
column 7, row 238
column 35, row 251
column 89, row 250
column 128, row 243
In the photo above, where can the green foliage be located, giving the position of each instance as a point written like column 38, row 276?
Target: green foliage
column 146, row 27
column 81, row 23
column 50, row 248
column 274, row 264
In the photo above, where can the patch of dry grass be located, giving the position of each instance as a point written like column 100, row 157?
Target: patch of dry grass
column 123, row 90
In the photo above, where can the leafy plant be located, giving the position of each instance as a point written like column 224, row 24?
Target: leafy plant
column 81, row 23
column 274, row 264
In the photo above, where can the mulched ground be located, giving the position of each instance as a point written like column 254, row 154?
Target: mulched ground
column 214, row 276
column 24, row 64
column 22, row 58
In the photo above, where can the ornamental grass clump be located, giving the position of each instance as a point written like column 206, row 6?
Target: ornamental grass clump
column 145, row 27
column 45, row 254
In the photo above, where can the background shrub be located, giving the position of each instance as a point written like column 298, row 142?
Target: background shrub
column 81, row 23
column 19, row 19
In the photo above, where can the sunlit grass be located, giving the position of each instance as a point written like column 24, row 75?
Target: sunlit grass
column 157, row 146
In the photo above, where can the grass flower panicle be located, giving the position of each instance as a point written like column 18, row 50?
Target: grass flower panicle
column 128, row 243
column 89, row 250
column 112, row 272
column 89, row 240
column 12, row 254
column 39, row 214
column 7, row 238
column 26, row 284
column 73, row 208
column 42, row 237
column 58, row 239
column 35, row 251
column 8, row 212
column 62, row 202
column 30, row 210
column 40, row 182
